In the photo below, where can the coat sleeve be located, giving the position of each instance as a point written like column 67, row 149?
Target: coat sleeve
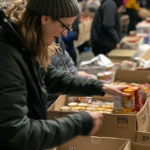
column 70, row 64
column 109, row 18
column 17, row 130
column 62, row 82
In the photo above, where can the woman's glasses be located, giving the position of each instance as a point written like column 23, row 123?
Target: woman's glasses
column 67, row 28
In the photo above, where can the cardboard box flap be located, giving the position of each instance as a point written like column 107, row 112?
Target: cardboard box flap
column 122, row 53
column 133, row 76
column 95, row 143
column 146, row 55
column 143, row 137
column 61, row 101
column 126, row 146
column 143, row 117
column 137, row 146
column 122, row 126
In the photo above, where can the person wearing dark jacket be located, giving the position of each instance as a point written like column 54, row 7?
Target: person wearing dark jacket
column 144, row 3
column 62, row 61
column 26, row 46
column 105, row 31
column 69, row 39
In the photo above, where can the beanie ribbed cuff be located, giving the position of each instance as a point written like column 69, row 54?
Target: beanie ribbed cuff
column 54, row 8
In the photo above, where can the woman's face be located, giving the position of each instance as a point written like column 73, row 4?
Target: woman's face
column 52, row 29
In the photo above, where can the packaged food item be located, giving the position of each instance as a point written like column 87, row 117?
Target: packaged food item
column 87, row 100
column 109, row 110
column 83, row 108
column 95, row 105
column 101, row 109
column 73, row 104
column 83, row 105
column 65, row 108
column 73, row 99
column 107, row 106
column 129, row 102
column 118, row 103
column 76, row 109
column 135, row 99
column 91, row 109
column 105, row 76
column 137, row 61
column 132, row 33
column 97, row 102
column 81, row 98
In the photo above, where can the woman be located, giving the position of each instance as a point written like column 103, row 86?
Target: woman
column 105, row 32
column 27, row 44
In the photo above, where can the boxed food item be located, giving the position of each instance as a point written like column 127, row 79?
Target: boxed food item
column 105, row 76
column 130, row 42
column 114, row 125
column 121, row 54
column 96, row 143
column 128, row 65
column 131, row 104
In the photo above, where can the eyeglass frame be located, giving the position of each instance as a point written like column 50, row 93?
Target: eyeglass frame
column 67, row 28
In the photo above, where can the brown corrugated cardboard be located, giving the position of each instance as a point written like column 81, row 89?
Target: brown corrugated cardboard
column 146, row 55
column 121, row 54
column 133, row 76
column 143, row 137
column 137, row 146
column 114, row 125
column 96, row 143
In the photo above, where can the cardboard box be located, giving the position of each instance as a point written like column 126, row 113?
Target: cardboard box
column 137, row 146
column 126, row 44
column 96, row 143
column 121, row 54
column 146, row 55
column 114, row 125
column 142, row 137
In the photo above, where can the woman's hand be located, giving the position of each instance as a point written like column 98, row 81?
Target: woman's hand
column 115, row 90
column 97, row 122
column 84, row 74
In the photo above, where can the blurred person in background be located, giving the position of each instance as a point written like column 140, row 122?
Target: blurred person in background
column 26, row 47
column 62, row 61
column 105, row 32
column 93, row 5
column 132, row 8
column 69, row 40
column 144, row 3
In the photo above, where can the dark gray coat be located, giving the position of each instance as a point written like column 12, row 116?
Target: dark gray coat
column 23, row 96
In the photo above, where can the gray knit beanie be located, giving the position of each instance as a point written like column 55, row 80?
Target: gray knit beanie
column 54, row 8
